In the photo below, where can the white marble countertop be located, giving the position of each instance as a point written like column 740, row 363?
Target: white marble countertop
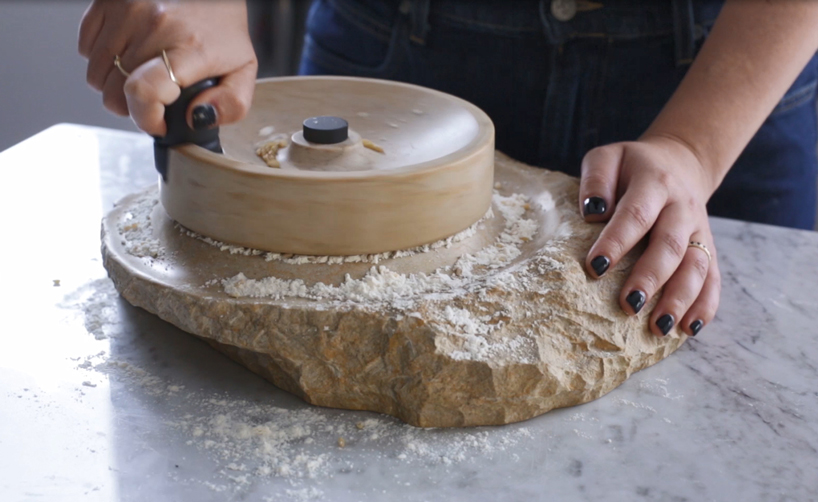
column 103, row 401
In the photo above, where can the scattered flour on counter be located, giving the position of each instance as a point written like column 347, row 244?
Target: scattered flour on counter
column 300, row 495
column 96, row 300
column 255, row 440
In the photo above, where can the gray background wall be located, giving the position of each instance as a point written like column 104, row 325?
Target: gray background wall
column 42, row 78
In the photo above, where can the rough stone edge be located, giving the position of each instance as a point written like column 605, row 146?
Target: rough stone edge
column 477, row 404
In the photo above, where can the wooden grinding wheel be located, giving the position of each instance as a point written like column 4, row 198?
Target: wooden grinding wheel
column 433, row 179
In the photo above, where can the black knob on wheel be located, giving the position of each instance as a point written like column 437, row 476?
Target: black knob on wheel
column 326, row 130
column 179, row 133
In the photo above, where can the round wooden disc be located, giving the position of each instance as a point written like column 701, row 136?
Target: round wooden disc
column 433, row 179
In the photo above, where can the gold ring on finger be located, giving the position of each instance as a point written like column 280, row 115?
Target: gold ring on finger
column 118, row 64
column 699, row 245
column 170, row 70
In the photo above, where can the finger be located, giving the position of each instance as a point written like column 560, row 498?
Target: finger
column 681, row 289
column 230, row 100
column 109, row 44
column 634, row 216
column 113, row 93
column 147, row 91
column 704, row 308
column 226, row 103
column 666, row 250
column 90, row 27
column 597, row 187
column 131, row 57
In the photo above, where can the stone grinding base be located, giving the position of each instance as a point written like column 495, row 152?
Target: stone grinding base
column 538, row 333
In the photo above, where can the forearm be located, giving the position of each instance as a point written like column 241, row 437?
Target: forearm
column 755, row 51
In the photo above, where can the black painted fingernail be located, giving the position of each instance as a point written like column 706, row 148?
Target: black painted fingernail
column 204, row 116
column 665, row 323
column 696, row 326
column 600, row 264
column 636, row 299
column 594, row 205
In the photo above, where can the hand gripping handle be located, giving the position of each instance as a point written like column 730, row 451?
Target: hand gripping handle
column 179, row 132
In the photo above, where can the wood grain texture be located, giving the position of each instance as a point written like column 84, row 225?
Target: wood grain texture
column 433, row 180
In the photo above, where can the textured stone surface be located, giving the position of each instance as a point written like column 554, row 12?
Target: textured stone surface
column 507, row 344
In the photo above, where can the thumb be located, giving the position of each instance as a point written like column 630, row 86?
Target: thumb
column 597, row 187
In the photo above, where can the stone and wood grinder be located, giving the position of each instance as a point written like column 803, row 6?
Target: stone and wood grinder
column 521, row 332
column 429, row 177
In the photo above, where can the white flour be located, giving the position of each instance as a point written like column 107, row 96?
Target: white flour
column 254, row 441
column 473, row 337
column 335, row 260
column 138, row 233
column 381, row 286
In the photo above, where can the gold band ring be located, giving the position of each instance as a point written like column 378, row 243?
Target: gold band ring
column 170, row 70
column 699, row 245
column 118, row 64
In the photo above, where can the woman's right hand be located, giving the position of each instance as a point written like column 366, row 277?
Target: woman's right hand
column 201, row 39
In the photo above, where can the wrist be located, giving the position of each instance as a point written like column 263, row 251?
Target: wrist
column 686, row 153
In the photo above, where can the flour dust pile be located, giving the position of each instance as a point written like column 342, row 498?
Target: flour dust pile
column 502, row 323
column 247, row 441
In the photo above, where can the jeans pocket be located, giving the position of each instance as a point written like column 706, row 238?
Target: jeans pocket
column 341, row 40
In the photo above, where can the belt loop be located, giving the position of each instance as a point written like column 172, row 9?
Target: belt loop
column 683, row 31
column 419, row 18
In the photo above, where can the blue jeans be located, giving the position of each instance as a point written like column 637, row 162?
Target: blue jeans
column 555, row 89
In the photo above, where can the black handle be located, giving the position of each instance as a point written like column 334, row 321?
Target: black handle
column 179, row 132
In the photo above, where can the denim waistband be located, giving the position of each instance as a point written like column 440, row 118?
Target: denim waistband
column 610, row 18
column 685, row 20
column 604, row 18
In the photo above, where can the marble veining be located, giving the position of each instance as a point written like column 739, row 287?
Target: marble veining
column 732, row 415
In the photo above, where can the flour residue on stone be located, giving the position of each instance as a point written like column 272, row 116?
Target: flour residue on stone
column 294, row 259
column 470, row 334
column 382, row 286
column 518, row 230
column 137, row 231
column 478, row 340
column 471, row 337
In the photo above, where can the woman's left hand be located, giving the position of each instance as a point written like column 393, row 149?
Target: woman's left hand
column 656, row 186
